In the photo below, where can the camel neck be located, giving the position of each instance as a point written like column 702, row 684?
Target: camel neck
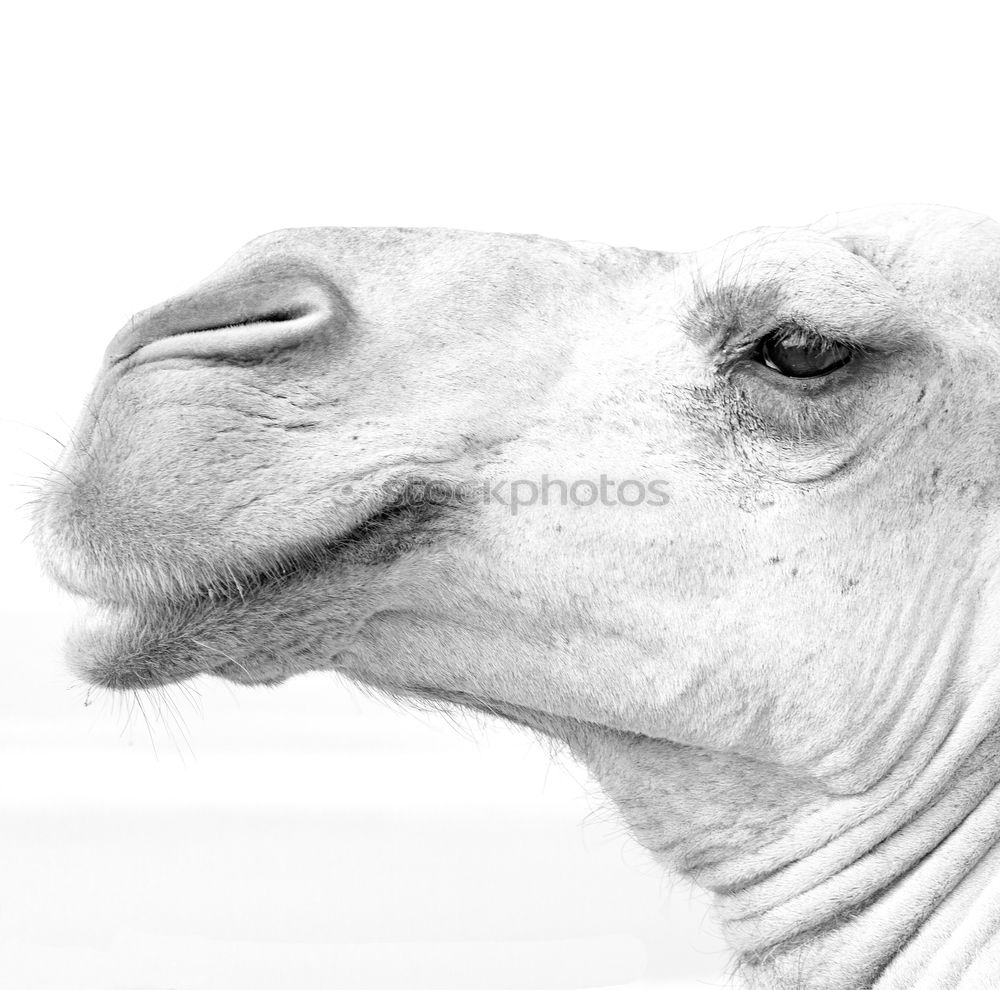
column 894, row 889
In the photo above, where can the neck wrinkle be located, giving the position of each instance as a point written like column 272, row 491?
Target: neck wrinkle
column 925, row 899
column 838, row 892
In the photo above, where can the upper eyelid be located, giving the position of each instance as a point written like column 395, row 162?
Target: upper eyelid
column 728, row 362
column 730, row 320
column 790, row 327
column 840, row 354
column 737, row 351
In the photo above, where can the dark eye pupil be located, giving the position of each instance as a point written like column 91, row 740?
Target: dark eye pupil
column 796, row 353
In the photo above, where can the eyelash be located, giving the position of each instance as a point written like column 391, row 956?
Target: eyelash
column 792, row 332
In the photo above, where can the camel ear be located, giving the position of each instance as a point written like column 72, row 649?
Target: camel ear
column 939, row 255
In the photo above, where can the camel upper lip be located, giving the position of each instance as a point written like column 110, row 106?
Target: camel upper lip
column 382, row 535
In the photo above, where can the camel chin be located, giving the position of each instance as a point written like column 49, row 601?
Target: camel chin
column 726, row 523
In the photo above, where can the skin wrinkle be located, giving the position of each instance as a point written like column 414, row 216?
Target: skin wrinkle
column 919, row 959
column 929, row 696
column 870, row 874
column 904, row 908
column 874, row 816
column 985, row 923
column 784, row 675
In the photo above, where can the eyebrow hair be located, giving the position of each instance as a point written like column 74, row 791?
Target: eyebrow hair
column 726, row 316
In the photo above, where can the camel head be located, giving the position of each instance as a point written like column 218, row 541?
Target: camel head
column 729, row 510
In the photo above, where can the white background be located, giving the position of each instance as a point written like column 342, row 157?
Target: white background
column 309, row 837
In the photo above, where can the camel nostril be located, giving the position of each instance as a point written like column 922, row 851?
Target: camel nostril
column 236, row 316
column 276, row 316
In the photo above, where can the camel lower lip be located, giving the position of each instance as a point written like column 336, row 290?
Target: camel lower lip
column 156, row 641
column 128, row 648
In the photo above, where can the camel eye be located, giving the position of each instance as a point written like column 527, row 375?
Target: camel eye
column 798, row 353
